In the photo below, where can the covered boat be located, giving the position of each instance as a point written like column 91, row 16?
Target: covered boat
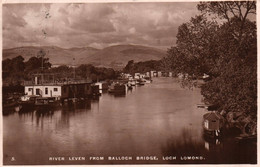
column 117, row 88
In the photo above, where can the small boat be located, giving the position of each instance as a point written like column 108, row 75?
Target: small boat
column 10, row 105
column 116, row 88
column 32, row 101
column 9, row 102
column 202, row 106
column 27, row 101
column 140, row 82
column 132, row 82
column 147, row 80
column 41, row 101
column 129, row 86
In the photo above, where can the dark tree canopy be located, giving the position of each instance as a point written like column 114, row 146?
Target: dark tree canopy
column 84, row 71
column 15, row 70
column 229, row 9
column 142, row 67
column 37, row 64
column 225, row 49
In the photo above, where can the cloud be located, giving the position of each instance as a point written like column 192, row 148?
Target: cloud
column 98, row 25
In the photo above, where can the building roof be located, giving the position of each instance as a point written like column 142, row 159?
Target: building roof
column 212, row 116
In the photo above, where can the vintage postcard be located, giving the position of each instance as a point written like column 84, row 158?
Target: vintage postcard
column 129, row 83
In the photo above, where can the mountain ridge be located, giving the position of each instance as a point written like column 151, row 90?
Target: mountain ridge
column 115, row 56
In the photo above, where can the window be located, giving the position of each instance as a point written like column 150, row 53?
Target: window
column 46, row 91
column 37, row 91
column 55, row 89
column 64, row 89
column 30, row 89
column 206, row 124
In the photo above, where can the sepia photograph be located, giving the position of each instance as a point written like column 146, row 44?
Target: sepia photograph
column 129, row 83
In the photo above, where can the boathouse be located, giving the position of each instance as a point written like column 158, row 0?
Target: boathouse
column 213, row 121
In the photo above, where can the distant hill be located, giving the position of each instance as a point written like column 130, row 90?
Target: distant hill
column 115, row 56
column 56, row 55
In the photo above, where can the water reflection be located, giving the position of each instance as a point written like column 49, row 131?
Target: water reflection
column 182, row 146
column 77, row 106
column 120, row 95
column 45, row 113
column 213, row 145
column 215, row 151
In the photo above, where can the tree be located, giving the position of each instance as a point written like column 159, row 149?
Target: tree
column 230, row 11
column 36, row 64
column 224, row 48
column 13, row 70
column 142, row 67
column 194, row 53
column 129, row 66
column 6, row 65
column 62, row 72
column 17, row 64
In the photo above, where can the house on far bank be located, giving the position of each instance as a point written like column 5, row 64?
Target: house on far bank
column 126, row 76
column 142, row 76
column 159, row 74
column 152, row 73
column 55, row 65
column 137, row 76
column 147, row 74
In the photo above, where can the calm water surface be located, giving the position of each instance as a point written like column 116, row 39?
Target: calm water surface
column 159, row 119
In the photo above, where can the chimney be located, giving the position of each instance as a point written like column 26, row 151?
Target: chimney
column 36, row 80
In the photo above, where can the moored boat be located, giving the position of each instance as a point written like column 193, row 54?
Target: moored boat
column 41, row 101
column 147, row 80
column 132, row 82
column 140, row 82
column 117, row 88
column 27, row 101
column 129, row 86
column 9, row 103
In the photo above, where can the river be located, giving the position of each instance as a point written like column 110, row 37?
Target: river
column 157, row 123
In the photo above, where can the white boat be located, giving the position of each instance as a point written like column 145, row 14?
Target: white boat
column 147, row 80
column 132, row 82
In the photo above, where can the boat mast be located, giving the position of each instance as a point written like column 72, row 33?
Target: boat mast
column 41, row 54
column 74, row 70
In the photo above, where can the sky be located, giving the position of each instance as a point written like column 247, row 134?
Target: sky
column 97, row 25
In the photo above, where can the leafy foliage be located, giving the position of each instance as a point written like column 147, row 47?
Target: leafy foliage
column 35, row 64
column 94, row 73
column 225, row 49
column 15, row 70
column 142, row 67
